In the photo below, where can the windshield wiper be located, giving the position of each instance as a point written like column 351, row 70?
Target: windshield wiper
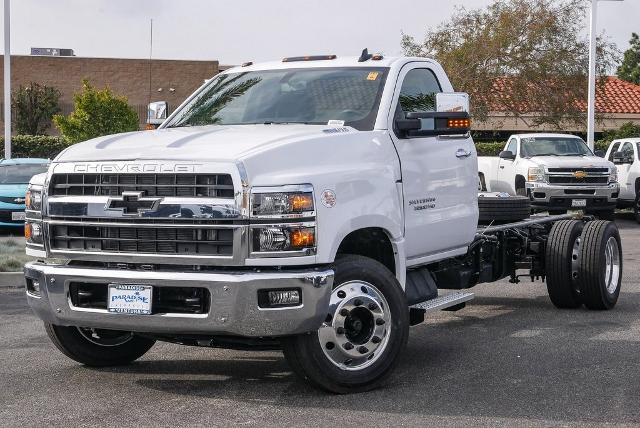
column 545, row 154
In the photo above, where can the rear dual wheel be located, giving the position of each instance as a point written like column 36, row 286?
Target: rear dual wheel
column 584, row 264
column 636, row 207
column 364, row 333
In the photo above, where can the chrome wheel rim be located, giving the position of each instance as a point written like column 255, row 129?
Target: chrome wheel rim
column 105, row 337
column 358, row 326
column 612, row 268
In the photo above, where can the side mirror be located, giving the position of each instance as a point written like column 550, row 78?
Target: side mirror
column 620, row 158
column 599, row 153
column 157, row 112
column 507, row 154
column 450, row 118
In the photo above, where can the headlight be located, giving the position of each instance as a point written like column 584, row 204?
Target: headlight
column 33, row 200
column 282, row 202
column 536, row 174
column 283, row 238
column 613, row 175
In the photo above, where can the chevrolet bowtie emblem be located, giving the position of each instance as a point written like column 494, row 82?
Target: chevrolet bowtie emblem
column 580, row 175
column 132, row 204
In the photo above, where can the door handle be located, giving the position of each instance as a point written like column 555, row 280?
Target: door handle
column 462, row 153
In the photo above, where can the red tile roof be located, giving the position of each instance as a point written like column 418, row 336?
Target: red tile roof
column 616, row 96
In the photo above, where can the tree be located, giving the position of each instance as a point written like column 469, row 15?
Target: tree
column 629, row 70
column 33, row 107
column 96, row 113
column 518, row 57
column 626, row 130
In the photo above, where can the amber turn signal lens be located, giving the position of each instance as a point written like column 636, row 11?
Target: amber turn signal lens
column 459, row 123
column 302, row 238
column 301, row 202
column 27, row 231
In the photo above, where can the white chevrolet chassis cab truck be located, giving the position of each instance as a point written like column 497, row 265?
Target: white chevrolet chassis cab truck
column 314, row 205
column 557, row 172
column 625, row 154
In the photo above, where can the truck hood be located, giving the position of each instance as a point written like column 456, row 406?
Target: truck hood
column 13, row 190
column 211, row 143
column 571, row 161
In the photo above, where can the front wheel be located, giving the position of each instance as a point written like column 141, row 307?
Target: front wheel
column 364, row 333
column 636, row 207
column 98, row 347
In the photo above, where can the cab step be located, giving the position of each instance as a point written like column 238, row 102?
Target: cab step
column 451, row 301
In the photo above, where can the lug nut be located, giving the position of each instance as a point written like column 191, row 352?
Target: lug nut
column 330, row 345
column 363, row 350
column 344, row 312
column 357, row 302
column 376, row 339
column 339, row 330
column 348, row 346
column 373, row 306
column 379, row 321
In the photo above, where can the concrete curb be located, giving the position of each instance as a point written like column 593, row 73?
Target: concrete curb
column 11, row 279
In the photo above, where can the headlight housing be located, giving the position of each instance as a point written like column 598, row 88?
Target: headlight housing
column 613, row 175
column 33, row 199
column 283, row 238
column 33, row 232
column 536, row 173
column 282, row 202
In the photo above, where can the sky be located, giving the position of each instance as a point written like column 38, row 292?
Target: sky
column 249, row 30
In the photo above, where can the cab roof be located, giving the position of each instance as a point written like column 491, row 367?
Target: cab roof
column 338, row 61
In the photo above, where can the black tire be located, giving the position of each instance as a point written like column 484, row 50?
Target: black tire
column 636, row 207
column 600, row 288
column 113, row 348
column 559, row 253
column 306, row 354
column 497, row 209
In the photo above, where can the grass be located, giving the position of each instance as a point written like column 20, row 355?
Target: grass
column 12, row 255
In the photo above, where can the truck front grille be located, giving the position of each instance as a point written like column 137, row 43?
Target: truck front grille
column 569, row 179
column 145, row 240
column 167, row 185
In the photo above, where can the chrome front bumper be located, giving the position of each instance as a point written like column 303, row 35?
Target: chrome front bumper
column 598, row 197
column 233, row 309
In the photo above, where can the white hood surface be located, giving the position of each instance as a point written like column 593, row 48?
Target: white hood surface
column 571, row 161
column 210, row 143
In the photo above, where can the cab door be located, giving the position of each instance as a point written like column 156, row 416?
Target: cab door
column 507, row 170
column 439, row 174
column 627, row 186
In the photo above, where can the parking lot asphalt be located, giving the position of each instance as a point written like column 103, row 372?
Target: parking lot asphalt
column 508, row 358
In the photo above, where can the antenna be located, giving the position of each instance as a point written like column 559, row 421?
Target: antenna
column 365, row 55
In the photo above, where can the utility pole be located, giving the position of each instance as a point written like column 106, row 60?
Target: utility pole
column 7, row 80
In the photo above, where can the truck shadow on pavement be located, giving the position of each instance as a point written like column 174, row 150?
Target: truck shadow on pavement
column 505, row 357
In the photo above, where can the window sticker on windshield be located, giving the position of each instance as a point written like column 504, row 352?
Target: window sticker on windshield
column 335, row 122
column 373, row 75
column 528, row 140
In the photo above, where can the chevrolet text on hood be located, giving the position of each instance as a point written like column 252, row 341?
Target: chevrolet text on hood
column 313, row 205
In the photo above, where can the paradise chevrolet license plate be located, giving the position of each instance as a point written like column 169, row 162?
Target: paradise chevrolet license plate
column 130, row 299
column 579, row 203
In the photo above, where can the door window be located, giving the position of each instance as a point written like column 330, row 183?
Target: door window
column 418, row 92
column 614, row 148
column 512, row 146
column 627, row 151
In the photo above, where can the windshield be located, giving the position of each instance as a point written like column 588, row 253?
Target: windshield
column 309, row 96
column 21, row 173
column 554, row 146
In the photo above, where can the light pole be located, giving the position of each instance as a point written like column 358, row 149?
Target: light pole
column 7, row 80
column 591, row 101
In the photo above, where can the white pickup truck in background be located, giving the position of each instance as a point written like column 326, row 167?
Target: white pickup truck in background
column 625, row 154
column 557, row 171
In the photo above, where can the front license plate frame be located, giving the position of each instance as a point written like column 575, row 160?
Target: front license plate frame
column 130, row 299
column 578, row 203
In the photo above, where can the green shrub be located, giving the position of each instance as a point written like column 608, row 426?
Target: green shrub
column 489, row 149
column 35, row 146
column 97, row 112
column 627, row 130
column 33, row 107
